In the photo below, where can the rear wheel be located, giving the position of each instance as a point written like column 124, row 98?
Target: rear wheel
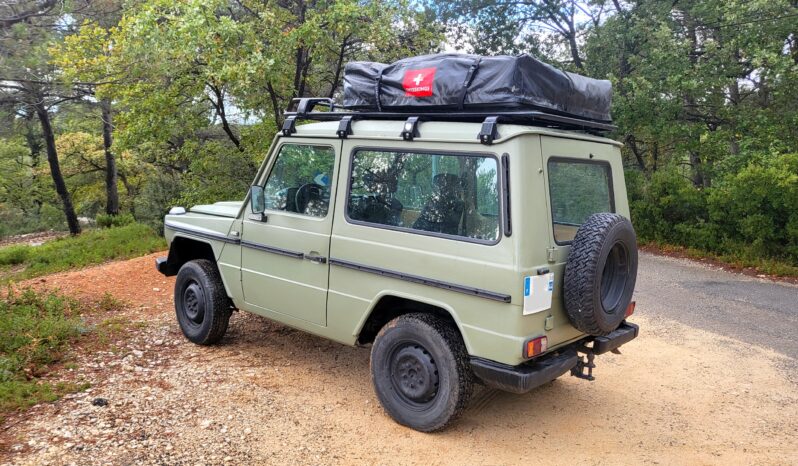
column 201, row 303
column 420, row 371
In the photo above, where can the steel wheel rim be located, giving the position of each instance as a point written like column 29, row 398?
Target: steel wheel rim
column 194, row 307
column 413, row 374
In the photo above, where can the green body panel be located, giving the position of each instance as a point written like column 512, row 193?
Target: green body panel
column 335, row 301
column 221, row 209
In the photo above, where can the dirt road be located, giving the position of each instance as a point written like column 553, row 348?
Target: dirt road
column 679, row 394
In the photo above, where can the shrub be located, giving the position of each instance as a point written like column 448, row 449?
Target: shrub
column 110, row 221
column 668, row 208
column 13, row 255
column 757, row 208
column 35, row 329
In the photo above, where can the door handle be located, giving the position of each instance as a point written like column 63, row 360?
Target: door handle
column 315, row 257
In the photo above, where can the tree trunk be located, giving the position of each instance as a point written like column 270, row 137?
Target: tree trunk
column 575, row 50
column 111, row 190
column 55, row 167
column 218, row 105
column 698, row 169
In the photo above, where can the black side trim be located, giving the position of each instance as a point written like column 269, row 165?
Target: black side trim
column 508, row 224
column 505, row 298
column 202, row 234
column 273, row 250
column 525, row 377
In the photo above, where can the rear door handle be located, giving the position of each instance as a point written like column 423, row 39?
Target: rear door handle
column 315, row 257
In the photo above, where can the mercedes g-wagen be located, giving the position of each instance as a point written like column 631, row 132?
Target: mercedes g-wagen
column 469, row 229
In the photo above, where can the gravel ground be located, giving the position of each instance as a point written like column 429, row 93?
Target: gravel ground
column 271, row 395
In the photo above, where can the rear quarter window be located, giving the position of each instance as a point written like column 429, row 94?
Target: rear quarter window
column 578, row 189
column 439, row 194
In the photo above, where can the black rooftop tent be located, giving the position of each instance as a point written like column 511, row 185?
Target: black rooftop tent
column 456, row 82
column 458, row 87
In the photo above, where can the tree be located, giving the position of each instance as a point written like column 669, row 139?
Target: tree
column 552, row 28
column 28, row 83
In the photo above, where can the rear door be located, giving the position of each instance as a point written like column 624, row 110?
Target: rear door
column 285, row 254
column 580, row 181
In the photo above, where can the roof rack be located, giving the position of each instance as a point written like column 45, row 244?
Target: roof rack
column 304, row 110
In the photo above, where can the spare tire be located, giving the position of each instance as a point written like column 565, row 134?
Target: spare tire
column 600, row 273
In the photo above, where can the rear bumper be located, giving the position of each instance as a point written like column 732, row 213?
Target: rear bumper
column 530, row 375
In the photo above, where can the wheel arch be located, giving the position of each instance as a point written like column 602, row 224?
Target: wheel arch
column 184, row 249
column 391, row 304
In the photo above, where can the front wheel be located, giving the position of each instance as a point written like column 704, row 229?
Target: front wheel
column 201, row 303
column 420, row 371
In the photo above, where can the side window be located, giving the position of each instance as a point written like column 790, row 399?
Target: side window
column 447, row 194
column 577, row 189
column 300, row 180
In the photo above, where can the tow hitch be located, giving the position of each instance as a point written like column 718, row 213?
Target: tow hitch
column 600, row 345
column 584, row 363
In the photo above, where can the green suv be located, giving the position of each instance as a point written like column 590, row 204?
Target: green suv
column 490, row 250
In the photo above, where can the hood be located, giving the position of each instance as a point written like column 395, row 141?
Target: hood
column 220, row 209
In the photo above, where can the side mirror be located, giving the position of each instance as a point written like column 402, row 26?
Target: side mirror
column 257, row 199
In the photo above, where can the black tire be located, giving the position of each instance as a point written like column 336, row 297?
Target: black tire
column 600, row 273
column 201, row 303
column 420, row 371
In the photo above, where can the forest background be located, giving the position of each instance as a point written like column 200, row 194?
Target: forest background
column 115, row 110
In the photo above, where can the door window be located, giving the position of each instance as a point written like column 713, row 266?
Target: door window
column 300, row 180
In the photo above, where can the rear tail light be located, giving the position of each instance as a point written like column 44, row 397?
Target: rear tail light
column 630, row 309
column 536, row 346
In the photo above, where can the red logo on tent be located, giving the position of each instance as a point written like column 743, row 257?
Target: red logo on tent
column 418, row 83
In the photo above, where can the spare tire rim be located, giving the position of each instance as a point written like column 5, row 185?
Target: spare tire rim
column 613, row 277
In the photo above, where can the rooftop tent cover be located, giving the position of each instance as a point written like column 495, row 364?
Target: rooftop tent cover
column 447, row 82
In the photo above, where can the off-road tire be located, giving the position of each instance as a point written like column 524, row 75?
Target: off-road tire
column 600, row 273
column 201, row 303
column 428, row 341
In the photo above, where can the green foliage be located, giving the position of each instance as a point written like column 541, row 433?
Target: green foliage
column 749, row 216
column 91, row 247
column 14, row 255
column 110, row 221
column 35, row 330
column 758, row 207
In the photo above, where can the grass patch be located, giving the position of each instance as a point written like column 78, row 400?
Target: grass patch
column 35, row 331
column 21, row 262
column 740, row 260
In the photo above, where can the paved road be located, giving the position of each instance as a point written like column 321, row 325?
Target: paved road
column 756, row 311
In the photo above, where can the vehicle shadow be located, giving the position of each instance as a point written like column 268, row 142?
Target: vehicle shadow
column 308, row 363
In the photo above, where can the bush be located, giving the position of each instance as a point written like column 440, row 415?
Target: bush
column 110, row 221
column 749, row 216
column 668, row 208
column 13, row 255
column 35, row 329
column 757, row 208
